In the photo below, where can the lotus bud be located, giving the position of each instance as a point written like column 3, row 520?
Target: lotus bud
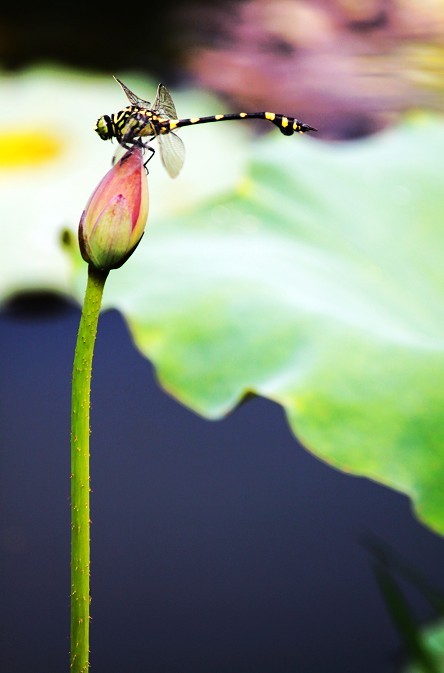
column 115, row 216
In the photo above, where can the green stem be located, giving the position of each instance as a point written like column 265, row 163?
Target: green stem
column 80, row 484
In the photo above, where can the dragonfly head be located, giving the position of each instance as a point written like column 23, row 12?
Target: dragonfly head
column 105, row 127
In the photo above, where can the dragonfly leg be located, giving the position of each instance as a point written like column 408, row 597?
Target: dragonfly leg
column 129, row 143
column 152, row 150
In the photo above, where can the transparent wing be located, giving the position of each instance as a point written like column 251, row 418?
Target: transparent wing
column 118, row 154
column 133, row 99
column 172, row 153
column 163, row 103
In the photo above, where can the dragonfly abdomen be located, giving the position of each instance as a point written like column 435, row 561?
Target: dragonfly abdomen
column 287, row 125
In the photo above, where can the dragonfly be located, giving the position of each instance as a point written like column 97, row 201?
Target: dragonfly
column 141, row 119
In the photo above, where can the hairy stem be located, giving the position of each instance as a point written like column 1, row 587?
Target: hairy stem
column 80, row 480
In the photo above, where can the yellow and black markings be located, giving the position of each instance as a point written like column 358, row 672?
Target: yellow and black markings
column 141, row 119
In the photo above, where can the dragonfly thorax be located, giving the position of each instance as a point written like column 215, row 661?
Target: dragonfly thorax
column 127, row 124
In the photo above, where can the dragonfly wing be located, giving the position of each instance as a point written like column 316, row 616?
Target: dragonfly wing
column 133, row 99
column 118, row 154
column 163, row 103
column 172, row 153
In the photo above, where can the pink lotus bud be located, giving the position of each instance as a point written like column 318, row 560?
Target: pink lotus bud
column 115, row 216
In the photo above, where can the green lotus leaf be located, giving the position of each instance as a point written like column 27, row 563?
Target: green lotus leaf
column 432, row 639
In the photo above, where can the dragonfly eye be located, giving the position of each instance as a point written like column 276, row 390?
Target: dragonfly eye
column 104, row 127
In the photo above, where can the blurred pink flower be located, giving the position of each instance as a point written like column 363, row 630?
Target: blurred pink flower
column 348, row 67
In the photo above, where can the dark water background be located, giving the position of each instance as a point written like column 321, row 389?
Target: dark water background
column 217, row 546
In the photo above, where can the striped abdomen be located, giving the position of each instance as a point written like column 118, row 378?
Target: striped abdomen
column 287, row 125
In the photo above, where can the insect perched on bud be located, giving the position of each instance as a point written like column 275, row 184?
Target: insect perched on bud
column 141, row 121
column 115, row 216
